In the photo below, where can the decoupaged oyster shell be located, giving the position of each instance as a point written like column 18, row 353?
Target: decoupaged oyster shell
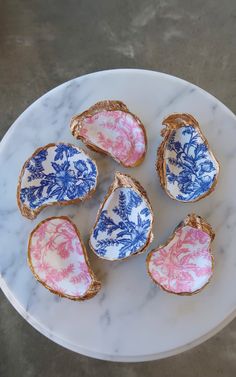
column 58, row 259
column 110, row 128
column 124, row 221
column 184, row 265
column 55, row 174
column 186, row 165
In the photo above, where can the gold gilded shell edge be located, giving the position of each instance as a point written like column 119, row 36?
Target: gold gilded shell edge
column 108, row 105
column 124, row 180
column 194, row 221
column 95, row 285
column 32, row 214
column 171, row 124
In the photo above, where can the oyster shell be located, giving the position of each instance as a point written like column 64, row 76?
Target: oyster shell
column 58, row 259
column 55, row 174
column 108, row 127
column 184, row 265
column 186, row 165
column 124, row 222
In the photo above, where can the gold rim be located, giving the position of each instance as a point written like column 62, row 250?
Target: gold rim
column 77, row 123
column 125, row 180
column 32, row 214
column 95, row 285
column 171, row 123
column 194, row 221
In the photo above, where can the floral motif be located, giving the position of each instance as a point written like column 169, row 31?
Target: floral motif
column 184, row 265
column 190, row 168
column 117, row 133
column 57, row 257
column 57, row 173
column 123, row 226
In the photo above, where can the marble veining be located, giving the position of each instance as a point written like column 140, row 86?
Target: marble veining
column 129, row 302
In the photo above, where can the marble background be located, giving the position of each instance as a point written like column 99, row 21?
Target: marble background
column 42, row 48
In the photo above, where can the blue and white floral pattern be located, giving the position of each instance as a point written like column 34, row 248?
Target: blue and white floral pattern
column 124, row 225
column 190, row 168
column 58, row 173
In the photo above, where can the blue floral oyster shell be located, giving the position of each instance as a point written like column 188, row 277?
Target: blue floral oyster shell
column 124, row 222
column 55, row 174
column 186, row 165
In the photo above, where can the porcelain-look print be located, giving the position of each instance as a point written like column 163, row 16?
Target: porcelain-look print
column 55, row 174
column 58, row 258
column 124, row 222
column 108, row 127
column 190, row 169
column 184, row 265
column 187, row 167
column 117, row 133
column 123, row 225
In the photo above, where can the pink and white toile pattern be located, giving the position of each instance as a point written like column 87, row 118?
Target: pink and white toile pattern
column 117, row 133
column 185, row 264
column 57, row 257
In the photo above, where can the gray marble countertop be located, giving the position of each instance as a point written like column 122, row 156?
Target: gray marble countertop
column 44, row 45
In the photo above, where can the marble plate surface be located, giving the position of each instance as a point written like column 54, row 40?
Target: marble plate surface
column 131, row 319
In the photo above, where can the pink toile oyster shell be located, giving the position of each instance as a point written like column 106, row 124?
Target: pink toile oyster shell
column 184, row 265
column 108, row 127
column 58, row 259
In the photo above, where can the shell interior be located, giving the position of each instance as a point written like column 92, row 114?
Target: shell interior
column 186, row 164
column 114, row 132
column 123, row 226
column 58, row 258
column 185, row 264
column 57, row 173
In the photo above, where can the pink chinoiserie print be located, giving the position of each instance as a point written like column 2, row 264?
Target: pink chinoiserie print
column 57, row 258
column 118, row 133
column 185, row 264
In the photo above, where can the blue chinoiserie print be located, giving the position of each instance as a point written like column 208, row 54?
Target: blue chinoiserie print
column 123, row 226
column 190, row 168
column 57, row 173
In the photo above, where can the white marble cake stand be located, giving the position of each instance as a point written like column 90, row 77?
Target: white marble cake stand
column 131, row 319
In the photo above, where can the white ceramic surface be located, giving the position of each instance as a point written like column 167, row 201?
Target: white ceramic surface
column 130, row 319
